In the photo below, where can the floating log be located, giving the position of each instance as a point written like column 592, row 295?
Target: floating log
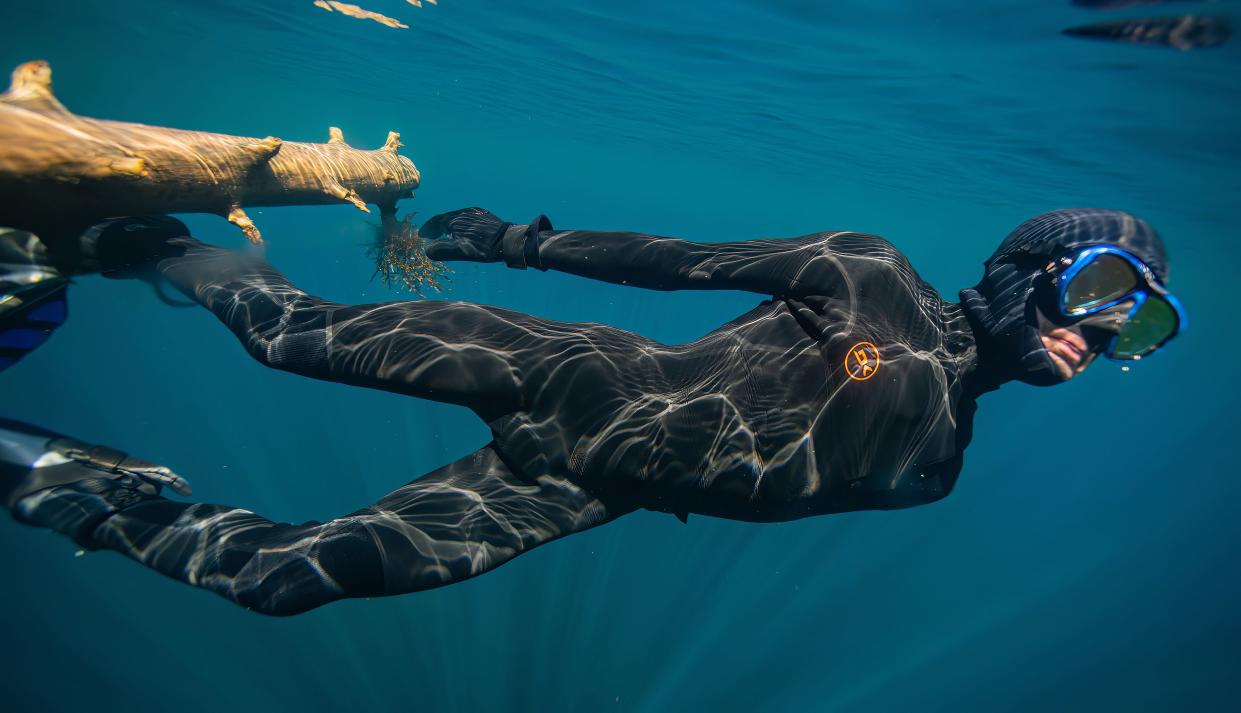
column 1121, row 4
column 345, row 8
column 1182, row 33
column 60, row 172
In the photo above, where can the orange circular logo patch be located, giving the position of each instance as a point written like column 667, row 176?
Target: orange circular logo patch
column 862, row 361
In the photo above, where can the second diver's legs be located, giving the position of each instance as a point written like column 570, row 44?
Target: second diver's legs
column 452, row 524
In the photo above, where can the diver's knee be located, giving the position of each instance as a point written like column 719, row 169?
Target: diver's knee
column 288, row 590
column 300, row 352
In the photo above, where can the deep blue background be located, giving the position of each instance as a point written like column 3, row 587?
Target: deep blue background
column 1086, row 561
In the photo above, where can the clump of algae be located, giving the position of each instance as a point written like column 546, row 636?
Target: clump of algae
column 401, row 260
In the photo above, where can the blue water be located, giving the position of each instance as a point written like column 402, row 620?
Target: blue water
column 1093, row 568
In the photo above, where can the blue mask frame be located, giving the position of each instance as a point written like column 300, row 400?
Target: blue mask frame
column 1139, row 294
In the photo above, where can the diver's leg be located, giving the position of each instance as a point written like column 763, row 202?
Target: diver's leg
column 457, row 352
column 452, row 524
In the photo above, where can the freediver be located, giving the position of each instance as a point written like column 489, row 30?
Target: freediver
column 851, row 387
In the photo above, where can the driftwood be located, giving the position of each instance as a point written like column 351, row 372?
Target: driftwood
column 1182, row 33
column 60, row 173
column 345, row 8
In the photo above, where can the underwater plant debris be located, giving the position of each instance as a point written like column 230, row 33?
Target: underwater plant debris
column 401, row 260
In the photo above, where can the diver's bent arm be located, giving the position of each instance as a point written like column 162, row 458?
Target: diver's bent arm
column 806, row 265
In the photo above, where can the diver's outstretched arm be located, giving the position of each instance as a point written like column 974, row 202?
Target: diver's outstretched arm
column 790, row 266
column 816, row 264
column 452, row 524
column 485, row 358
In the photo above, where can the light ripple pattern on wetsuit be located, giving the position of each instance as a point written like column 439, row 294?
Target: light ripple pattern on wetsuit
column 456, row 522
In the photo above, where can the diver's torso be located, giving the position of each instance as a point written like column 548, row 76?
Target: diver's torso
column 799, row 409
column 796, row 408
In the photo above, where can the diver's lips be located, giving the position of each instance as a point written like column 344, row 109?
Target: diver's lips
column 1067, row 351
column 1074, row 353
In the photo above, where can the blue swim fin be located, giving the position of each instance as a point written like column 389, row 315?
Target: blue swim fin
column 28, row 316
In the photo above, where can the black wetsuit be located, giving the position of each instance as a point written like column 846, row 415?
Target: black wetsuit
column 848, row 388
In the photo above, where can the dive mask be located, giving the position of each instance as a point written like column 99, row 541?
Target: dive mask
column 1101, row 277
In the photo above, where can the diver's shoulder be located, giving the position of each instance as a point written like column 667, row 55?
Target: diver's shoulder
column 863, row 248
column 850, row 240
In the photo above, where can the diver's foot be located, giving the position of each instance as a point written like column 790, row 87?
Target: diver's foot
column 130, row 246
column 49, row 480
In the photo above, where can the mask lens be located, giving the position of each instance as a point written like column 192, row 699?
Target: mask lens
column 1104, row 279
column 1145, row 331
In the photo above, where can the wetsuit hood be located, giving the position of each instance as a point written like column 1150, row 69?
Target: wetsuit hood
column 1001, row 307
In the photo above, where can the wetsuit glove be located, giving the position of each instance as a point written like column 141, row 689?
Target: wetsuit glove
column 128, row 247
column 477, row 235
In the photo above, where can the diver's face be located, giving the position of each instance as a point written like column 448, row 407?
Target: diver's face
column 1072, row 348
